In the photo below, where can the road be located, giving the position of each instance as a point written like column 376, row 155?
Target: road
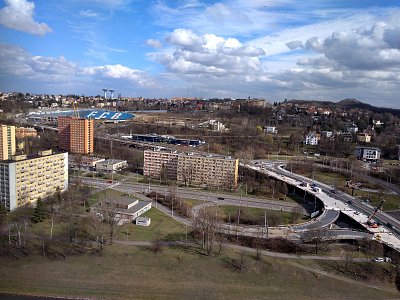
column 351, row 206
column 196, row 194
column 138, row 190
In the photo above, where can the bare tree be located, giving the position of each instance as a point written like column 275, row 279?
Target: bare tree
column 111, row 216
column 206, row 224
column 317, row 237
column 295, row 214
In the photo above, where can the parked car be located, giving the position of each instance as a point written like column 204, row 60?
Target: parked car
column 379, row 259
column 382, row 259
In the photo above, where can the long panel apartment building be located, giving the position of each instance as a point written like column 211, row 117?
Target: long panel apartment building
column 192, row 169
column 76, row 135
column 7, row 142
column 23, row 180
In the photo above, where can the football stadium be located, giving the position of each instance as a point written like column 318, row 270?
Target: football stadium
column 105, row 115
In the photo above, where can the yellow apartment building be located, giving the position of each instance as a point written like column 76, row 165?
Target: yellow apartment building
column 24, row 180
column 193, row 169
column 7, row 142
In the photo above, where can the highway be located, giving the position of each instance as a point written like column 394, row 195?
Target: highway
column 351, row 206
column 292, row 232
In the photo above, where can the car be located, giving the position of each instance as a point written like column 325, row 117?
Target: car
column 357, row 213
column 349, row 202
column 333, row 191
column 221, row 198
column 379, row 259
column 388, row 225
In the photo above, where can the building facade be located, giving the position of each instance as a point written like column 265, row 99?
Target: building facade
column 23, row 132
column 364, row 138
column 111, row 165
column 311, row 139
column 76, row 135
column 192, row 169
column 368, row 154
column 24, row 180
column 7, row 142
column 158, row 163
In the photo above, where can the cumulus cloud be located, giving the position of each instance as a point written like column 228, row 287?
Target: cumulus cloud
column 363, row 49
column 16, row 61
column 18, row 14
column 295, row 45
column 154, row 43
column 185, row 38
column 113, row 71
column 208, row 54
column 20, row 64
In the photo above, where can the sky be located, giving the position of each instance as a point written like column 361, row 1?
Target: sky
column 272, row 49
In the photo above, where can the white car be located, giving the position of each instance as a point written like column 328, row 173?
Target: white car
column 379, row 259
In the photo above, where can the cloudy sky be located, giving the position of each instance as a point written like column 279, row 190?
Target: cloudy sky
column 275, row 49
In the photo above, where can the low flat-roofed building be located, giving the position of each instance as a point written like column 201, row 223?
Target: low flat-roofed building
column 84, row 161
column 122, row 209
column 111, row 165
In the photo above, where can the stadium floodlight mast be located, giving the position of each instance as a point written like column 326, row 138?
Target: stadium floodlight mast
column 112, row 91
column 105, row 93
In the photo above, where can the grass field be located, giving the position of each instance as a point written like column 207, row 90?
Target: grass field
column 130, row 272
column 391, row 201
column 94, row 198
column 256, row 213
column 161, row 226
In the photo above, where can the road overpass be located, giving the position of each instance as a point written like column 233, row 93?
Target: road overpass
column 336, row 200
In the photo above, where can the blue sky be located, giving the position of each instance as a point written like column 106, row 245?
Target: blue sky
column 275, row 49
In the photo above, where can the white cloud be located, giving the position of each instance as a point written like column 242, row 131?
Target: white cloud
column 20, row 64
column 185, row 38
column 17, row 62
column 154, row 43
column 88, row 13
column 18, row 14
column 208, row 54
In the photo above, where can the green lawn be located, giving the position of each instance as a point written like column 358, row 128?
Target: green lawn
column 391, row 201
column 94, row 198
column 161, row 226
column 280, row 217
column 130, row 272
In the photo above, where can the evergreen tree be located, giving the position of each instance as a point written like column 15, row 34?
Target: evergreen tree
column 39, row 213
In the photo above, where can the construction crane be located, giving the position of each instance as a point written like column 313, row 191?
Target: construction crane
column 370, row 223
column 75, row 108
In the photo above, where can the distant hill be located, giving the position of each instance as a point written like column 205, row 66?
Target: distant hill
column 349, row 104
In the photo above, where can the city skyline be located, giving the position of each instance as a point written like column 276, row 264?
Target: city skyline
column 280, row 49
